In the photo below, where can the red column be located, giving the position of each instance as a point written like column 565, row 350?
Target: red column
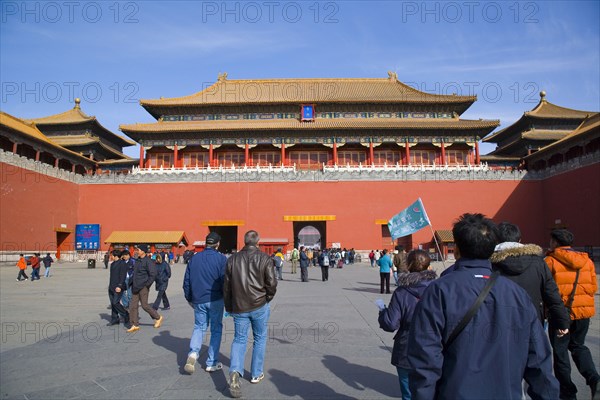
column 443, row 154
column 72, row 167
column 247, row 159
column 335, row 158
column 371, row 154
column 407, row 153
column 37, row 155
column 56, row 163
column 210, row 155
column 477, row 160
column 14, row 148
column 141, row 156
column 283, row 154
column 175, row 157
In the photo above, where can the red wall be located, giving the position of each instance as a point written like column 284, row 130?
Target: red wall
column 32, row 205
column 356, row 205
column 574, row 198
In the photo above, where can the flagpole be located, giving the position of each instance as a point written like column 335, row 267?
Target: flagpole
column 438, row 246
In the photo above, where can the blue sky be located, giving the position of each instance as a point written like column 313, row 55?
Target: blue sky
column 111, row 54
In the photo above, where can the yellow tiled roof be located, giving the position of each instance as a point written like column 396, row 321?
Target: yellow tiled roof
column 294, row 124
column 545, row 109
column 146, row 237
column 322, row 90
column 545, row 134
column 85, row 140
column 590, row 126
column 445, row 236
column 29, row 129
column 76, row 116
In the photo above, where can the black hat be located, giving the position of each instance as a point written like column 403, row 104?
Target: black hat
column 213, row 238
column 142, row 247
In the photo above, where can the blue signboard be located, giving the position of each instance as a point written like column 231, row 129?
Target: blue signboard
column 308, row 112
column 87, row 237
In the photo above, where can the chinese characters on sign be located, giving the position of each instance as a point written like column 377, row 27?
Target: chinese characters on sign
column 87, row 237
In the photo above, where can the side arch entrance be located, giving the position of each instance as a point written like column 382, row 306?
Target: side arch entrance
column 311, row 234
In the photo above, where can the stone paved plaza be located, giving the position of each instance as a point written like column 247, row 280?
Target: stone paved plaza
column 324, row 342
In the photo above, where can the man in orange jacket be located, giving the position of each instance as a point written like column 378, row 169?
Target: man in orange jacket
column 576, row 280
column 22, row 264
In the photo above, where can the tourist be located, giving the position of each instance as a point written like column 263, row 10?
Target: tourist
column 376, row 257
column 385, row 268
column 144, row 274
column 398, row 315
column 278, row 263
column 22, row 264
column 295, row 257
column 163, row 274
column 47, row 264
column 116, row 289
column 126, row 298
column 502, row 342
column 575, row 276
column 324, row 264
column 524, row 265
column 203, row 290
column 304, row 263
column 249, row 286
column 106, row 259
column 372, row 258
column 399, row 262
column 35, row 267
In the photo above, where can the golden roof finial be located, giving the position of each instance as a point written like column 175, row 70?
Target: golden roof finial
column 543, row 96
column 77, row 102
column 222, row 77
column 392, row 76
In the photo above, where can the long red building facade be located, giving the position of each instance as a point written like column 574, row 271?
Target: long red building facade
column 333, row 157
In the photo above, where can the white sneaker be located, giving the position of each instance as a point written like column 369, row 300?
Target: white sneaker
column 214, row 368
column 256, row 379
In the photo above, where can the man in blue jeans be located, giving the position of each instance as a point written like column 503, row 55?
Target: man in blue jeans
column 203, row 289
column 249, row 286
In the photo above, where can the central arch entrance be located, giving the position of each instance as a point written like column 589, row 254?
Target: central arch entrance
column 310, row 234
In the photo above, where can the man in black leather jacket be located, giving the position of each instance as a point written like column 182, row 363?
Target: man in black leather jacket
column 248, row 288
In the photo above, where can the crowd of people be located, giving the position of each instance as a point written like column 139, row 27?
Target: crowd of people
column 499, row 323
column 478, row 331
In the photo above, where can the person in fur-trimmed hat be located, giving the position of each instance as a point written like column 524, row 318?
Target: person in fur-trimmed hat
column 524, row 265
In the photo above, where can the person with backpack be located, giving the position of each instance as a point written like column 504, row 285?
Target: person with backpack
column 398, row 315
column 163, row 274
column 278, row 264
column 324, row 263
column 295, row 258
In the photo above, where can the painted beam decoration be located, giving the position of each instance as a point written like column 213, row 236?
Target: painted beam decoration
column 87, row 237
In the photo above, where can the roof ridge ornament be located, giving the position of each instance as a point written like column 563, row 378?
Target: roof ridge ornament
column 543, row 96
column 392, row 76
column 77, row 102
column 222, row 77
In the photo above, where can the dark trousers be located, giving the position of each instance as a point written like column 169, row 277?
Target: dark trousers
column 385, row 280
column 162, row 295
column 304, row 274
column 136, row 298
column 116, row 307
column 573, row 342
column 22, row 274
column 35, row 273
column 325, row 273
